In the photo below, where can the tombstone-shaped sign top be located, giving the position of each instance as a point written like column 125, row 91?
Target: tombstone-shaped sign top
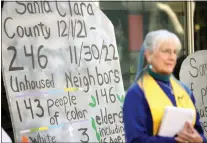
column 61, row 72
column 194, row 74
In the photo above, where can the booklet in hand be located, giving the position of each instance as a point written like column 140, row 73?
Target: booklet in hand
column 174, row 120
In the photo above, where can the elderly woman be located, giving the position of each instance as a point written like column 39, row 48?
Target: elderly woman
column 154, row 89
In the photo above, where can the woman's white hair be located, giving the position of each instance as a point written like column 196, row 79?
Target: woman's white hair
column 155, row 38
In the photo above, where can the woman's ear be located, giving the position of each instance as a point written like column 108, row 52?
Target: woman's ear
column 148, row 56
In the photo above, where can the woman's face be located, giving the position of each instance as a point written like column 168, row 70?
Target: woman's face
column 163, row 58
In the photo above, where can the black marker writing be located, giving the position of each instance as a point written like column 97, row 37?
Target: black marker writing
column 192, row 64
column 58, row 102
column 41, row 58
column 43, row 139
column 18, row 85
column 85, row 134
column 78, row 8
column 200, row 69
column 110, row 118
column 37, row 30
column 204, row 94
column 33, row 7
column 110, row 130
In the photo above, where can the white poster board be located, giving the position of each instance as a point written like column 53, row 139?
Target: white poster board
column 194, row 74
column 61, row 72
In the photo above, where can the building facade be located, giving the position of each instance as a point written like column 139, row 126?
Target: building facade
column 132, row 20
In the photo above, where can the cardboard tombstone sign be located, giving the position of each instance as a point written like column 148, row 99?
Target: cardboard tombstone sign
column 194, row 74
column 61, row 72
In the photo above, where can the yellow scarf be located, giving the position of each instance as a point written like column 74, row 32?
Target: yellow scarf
column 158, row 100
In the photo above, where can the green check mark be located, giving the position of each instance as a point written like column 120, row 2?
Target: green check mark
column 95, row 129
column 93, row 103
column 120, row 98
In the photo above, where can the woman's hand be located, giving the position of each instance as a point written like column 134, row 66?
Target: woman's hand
column 189, row 134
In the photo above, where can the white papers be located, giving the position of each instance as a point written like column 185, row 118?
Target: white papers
column 174, row 120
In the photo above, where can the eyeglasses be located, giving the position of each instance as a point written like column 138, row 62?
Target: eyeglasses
column 169, row 51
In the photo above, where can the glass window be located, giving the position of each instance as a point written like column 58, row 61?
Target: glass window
column 200, row 31
column 133, row 20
